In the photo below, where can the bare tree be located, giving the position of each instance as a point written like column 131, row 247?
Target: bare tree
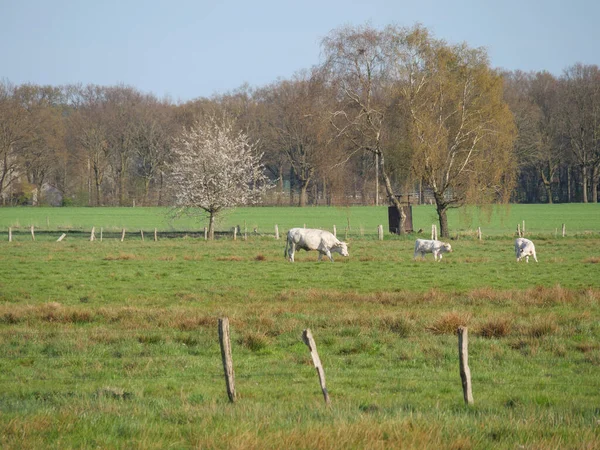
column 294, row 124
column 532, row 98
column 15, row 133
column 580, row 120
column 358, row 59
column 215, row 168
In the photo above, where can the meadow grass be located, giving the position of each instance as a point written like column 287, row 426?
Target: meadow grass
column 362, row 220
column 114, row 345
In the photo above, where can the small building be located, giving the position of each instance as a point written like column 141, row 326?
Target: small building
column 394, row 216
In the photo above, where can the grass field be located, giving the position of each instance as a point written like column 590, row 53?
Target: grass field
column 363, row 220
column 114, row 345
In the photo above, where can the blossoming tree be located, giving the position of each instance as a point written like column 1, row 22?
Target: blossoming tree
column 215, row 168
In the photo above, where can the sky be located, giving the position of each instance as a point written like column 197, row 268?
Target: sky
column 185, row 49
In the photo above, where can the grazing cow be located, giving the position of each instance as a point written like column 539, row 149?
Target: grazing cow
column 524, row 248
column 310, row 239
column 423, row 246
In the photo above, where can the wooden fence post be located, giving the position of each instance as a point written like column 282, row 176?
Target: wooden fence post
column 519, row 230
column 9, row 234
column 380, row 232
column 276, row 232
column 235, row 233
column 155, row 235
column 205, row 234
column 245, row 231
column 334, row 231
column 32, row 234
column 142, row 233
column 564, row 230
column 465, row 372
column 93, row 234
column 62, row 236
column 523, row 229
column 434, row 232
column 123, row 235
column 479, row 233
column 310, row 342
column 101, row 230
column 225, row 342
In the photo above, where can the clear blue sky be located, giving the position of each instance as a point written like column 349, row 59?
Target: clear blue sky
column 186, row 49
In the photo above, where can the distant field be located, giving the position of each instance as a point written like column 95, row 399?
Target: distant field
column 114, row 344
column 499, row 220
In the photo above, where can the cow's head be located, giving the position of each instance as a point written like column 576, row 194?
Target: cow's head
column 446, row 248
column 341, row 248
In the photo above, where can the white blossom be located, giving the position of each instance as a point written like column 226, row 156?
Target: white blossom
column 216, row 168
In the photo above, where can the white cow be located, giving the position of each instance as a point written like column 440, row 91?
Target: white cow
column 423, row 246
column 524, row 248
column 311, row 239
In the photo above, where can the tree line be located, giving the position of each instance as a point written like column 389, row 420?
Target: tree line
column 389, row 115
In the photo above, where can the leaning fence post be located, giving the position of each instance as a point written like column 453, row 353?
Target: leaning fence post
column 9, row 234
column 123, row 235
column 334, row 231
column 142, row 233
column 62, row 236
column 310, row 342
column 93, row 234
column 380, row 232
column 276, row 232
column 564, row 230
column 465, row 372
column 32, row 234
column 519, row 230
column 225, row 342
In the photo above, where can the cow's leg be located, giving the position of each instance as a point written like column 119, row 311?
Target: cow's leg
column 527, row 259
column 320, row 255
column 292, row 251
column 328, row 254
column 435, row 255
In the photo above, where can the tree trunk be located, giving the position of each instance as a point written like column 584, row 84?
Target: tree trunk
column 442, row 208
column 211, row 226
column 584, row 183
column 393, row 199
column 98, row 193
column 303, row 195
column 376, row 179
column 547, row 181
column 595, row 184
column 279, row 185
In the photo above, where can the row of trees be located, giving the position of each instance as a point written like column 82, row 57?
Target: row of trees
column 390, row 111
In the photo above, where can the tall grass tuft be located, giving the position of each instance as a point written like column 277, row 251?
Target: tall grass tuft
column 495, row 328
column 449, row 322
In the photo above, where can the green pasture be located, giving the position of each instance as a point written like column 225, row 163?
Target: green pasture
column 361, row 220
column 114, row 344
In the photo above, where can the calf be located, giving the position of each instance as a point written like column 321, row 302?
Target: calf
column 423, row 246
column 524, row 248
column 311, row 239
